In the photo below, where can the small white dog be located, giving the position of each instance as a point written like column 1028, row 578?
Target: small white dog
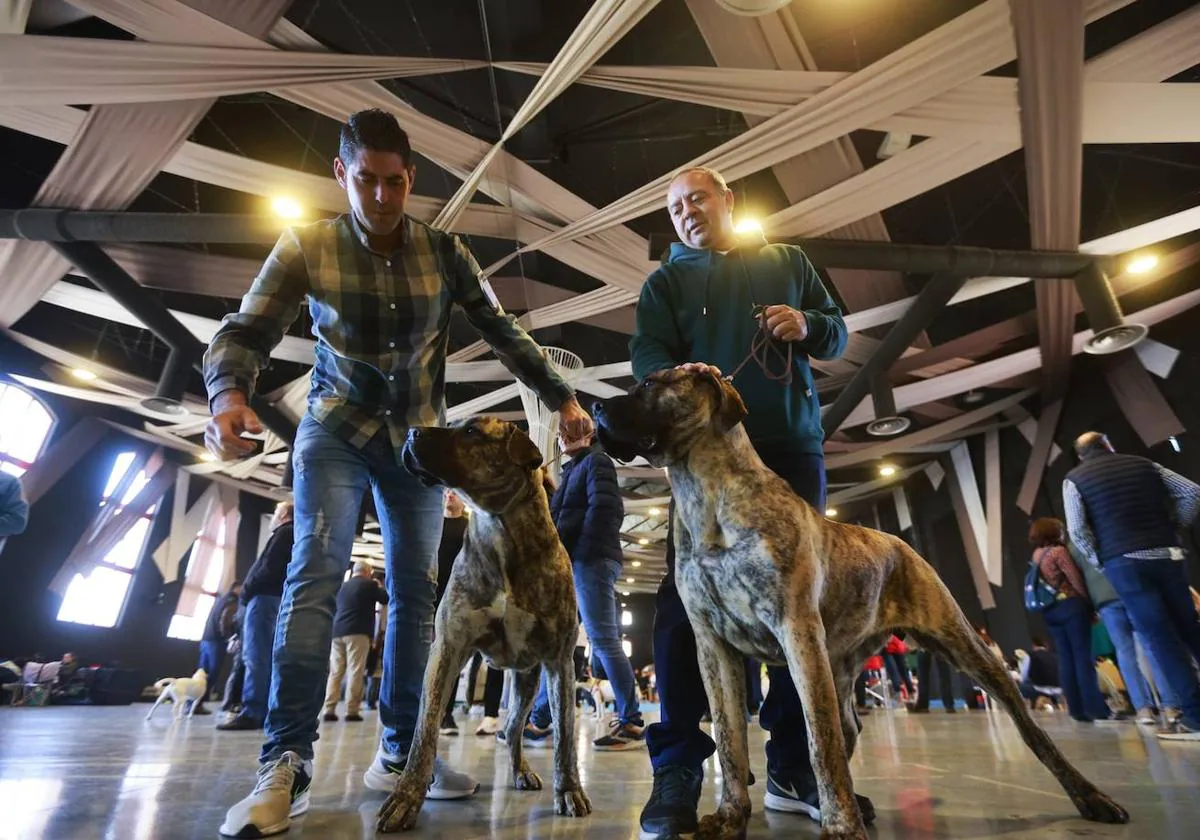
column 181, row 690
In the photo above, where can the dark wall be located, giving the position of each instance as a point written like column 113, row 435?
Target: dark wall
column 29, row 562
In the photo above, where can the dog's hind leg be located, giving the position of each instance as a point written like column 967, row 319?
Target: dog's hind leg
column 399, row 811
column 948, row 632
column 569, row 798
column 723, row 671
column 525, row 686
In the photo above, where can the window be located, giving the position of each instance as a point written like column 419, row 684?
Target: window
column 205, row 575
column 98, row 596
column 25, row 425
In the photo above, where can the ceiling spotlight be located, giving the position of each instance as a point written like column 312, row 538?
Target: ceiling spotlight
column 83, row 374
column 887, row 471
column 973, row 397
column 207, row 457
column 637, row 564
column 748, row 227
column 1141, row 264
column 629, row 580
column 625, row 592
column 286, row 207
column 165, row 405
column 888, row 426
column 643, row 541
column 1115, row 339
column 654, row 512
column 831, row 512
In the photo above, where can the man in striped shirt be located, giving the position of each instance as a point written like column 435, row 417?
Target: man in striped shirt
column 380, row 287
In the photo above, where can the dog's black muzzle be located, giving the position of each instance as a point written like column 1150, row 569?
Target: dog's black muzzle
column 620, row 440
column 412, row 460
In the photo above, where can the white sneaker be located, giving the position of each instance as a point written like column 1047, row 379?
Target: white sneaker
column 447, row 783
column 488, row 726
column 475, row 711
column 1147, row 717
column 280, row 793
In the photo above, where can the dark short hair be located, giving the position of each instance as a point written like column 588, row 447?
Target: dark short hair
column 1038, row 641
column 375, row 130
column 1047, row 531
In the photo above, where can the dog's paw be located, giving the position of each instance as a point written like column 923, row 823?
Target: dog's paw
column 527, row 780
column 399, row 811
column 572, row 803
column 1098, row 807
column 723, row 825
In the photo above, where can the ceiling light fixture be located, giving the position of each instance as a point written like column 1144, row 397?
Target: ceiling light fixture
column 888, row 426
column 887, row 471
column 643, row 541
column 207, row 457
column 637, row 564
column 654, row 512
column 286, row 207
column 83, row 374
column 629, row 580
column 748, row 227
column 1141, row 264
column 831, row 512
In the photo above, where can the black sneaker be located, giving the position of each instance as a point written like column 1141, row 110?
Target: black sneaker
column 239, row 723
column 791, row 798
column 621, row 736
column 674, row 804
column 448, row 726
column 330, row 717
column 354, row 717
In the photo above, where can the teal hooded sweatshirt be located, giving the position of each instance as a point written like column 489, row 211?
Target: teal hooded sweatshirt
column 699, row 306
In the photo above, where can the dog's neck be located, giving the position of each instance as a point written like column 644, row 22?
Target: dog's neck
column 527, row 513
column 715, row 461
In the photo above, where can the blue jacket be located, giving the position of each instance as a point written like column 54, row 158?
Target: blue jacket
column 14, row 510
column 587, row 508
column 699, row 307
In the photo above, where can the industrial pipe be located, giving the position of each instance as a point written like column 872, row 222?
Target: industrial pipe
column 45, row 225
column 1110, row 332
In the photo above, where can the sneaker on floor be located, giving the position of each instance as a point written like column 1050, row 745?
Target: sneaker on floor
column 447, row 783
column 1116, row 717
column 1147, row 717
column 1171, row 716
column 789, row 797
column 536, row 738
column 354, row 717
column 1180, row 731
column 621, row 736
column 488, row 726
column 673, row 805
column 476, row 711
column 280, row 793
column 330, row 717
column 239, row 723
column 448, row 726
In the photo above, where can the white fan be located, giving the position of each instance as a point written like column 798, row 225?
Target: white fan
column 543, row 423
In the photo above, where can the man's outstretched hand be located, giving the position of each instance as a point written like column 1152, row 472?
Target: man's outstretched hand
column 232, row 418
column 700, row 367
column 574, row 424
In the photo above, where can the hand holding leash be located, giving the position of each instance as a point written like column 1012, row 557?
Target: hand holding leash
column 574, row 423
column 785, row 323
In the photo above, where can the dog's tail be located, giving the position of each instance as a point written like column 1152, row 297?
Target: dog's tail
column 163, row 683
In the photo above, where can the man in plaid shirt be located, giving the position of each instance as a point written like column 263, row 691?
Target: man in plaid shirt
column 380, row 288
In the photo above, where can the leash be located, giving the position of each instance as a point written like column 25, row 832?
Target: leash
column 763, row 351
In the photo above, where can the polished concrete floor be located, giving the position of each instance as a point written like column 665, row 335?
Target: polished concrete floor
column 89, row 773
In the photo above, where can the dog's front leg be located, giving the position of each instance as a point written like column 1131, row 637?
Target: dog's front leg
column 399, row 811
column 569, row 798
column 808, row 658
column 724, row 675
column 525, row 686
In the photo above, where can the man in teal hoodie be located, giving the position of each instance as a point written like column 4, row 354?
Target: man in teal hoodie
column 711, row 301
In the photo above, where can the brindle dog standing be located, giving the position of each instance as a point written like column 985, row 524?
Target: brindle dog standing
column 763, row 574
column 510, row 596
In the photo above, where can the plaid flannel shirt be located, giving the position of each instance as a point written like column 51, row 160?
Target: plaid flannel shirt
column 382, row 327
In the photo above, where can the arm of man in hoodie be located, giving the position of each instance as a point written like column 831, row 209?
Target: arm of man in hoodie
column 656, row 344
column 827, row 333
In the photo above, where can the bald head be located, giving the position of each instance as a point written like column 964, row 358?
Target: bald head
column 1092, row 443
column 363, row 569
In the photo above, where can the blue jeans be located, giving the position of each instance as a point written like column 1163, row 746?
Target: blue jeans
column 258, row 637
column 1070, row 625
column 212, row 657
column 1120, row 630
column 1155, row 593
column 596, row 592
column 331, row 477
column 678, row 740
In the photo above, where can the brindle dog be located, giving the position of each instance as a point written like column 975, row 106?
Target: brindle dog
column 510, row 596
column 763, row 574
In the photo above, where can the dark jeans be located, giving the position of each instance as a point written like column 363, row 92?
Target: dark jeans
column 258, row 641
column 493, row 687
column 1155, row 593
column 237, row 679
column 925, row 660
column 212, row 657
column 754, row 695
column 678, row 739
column 897, row 670
column 1070, row 626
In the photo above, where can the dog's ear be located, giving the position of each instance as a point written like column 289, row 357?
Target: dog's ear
column 521, row 450
column 730, row 409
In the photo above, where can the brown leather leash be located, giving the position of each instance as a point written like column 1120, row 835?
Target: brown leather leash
column 763, row 352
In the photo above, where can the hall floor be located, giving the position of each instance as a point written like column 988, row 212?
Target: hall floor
column 90, row 773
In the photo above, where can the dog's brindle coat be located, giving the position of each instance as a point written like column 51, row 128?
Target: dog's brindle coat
column 511, row 596
column 763, row 574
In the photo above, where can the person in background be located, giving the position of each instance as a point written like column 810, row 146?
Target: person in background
column 897, row 669
column 925, row 662
column 1115, row 619
column 353, row 629
column 1124, row 514
column 14, row 510
column 1069, row 620
column 219, row 628
column 261, row 594
column 236, row 682
column 1038, row 674
column 588, row 511
column 493, row 694
column 454, row 531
